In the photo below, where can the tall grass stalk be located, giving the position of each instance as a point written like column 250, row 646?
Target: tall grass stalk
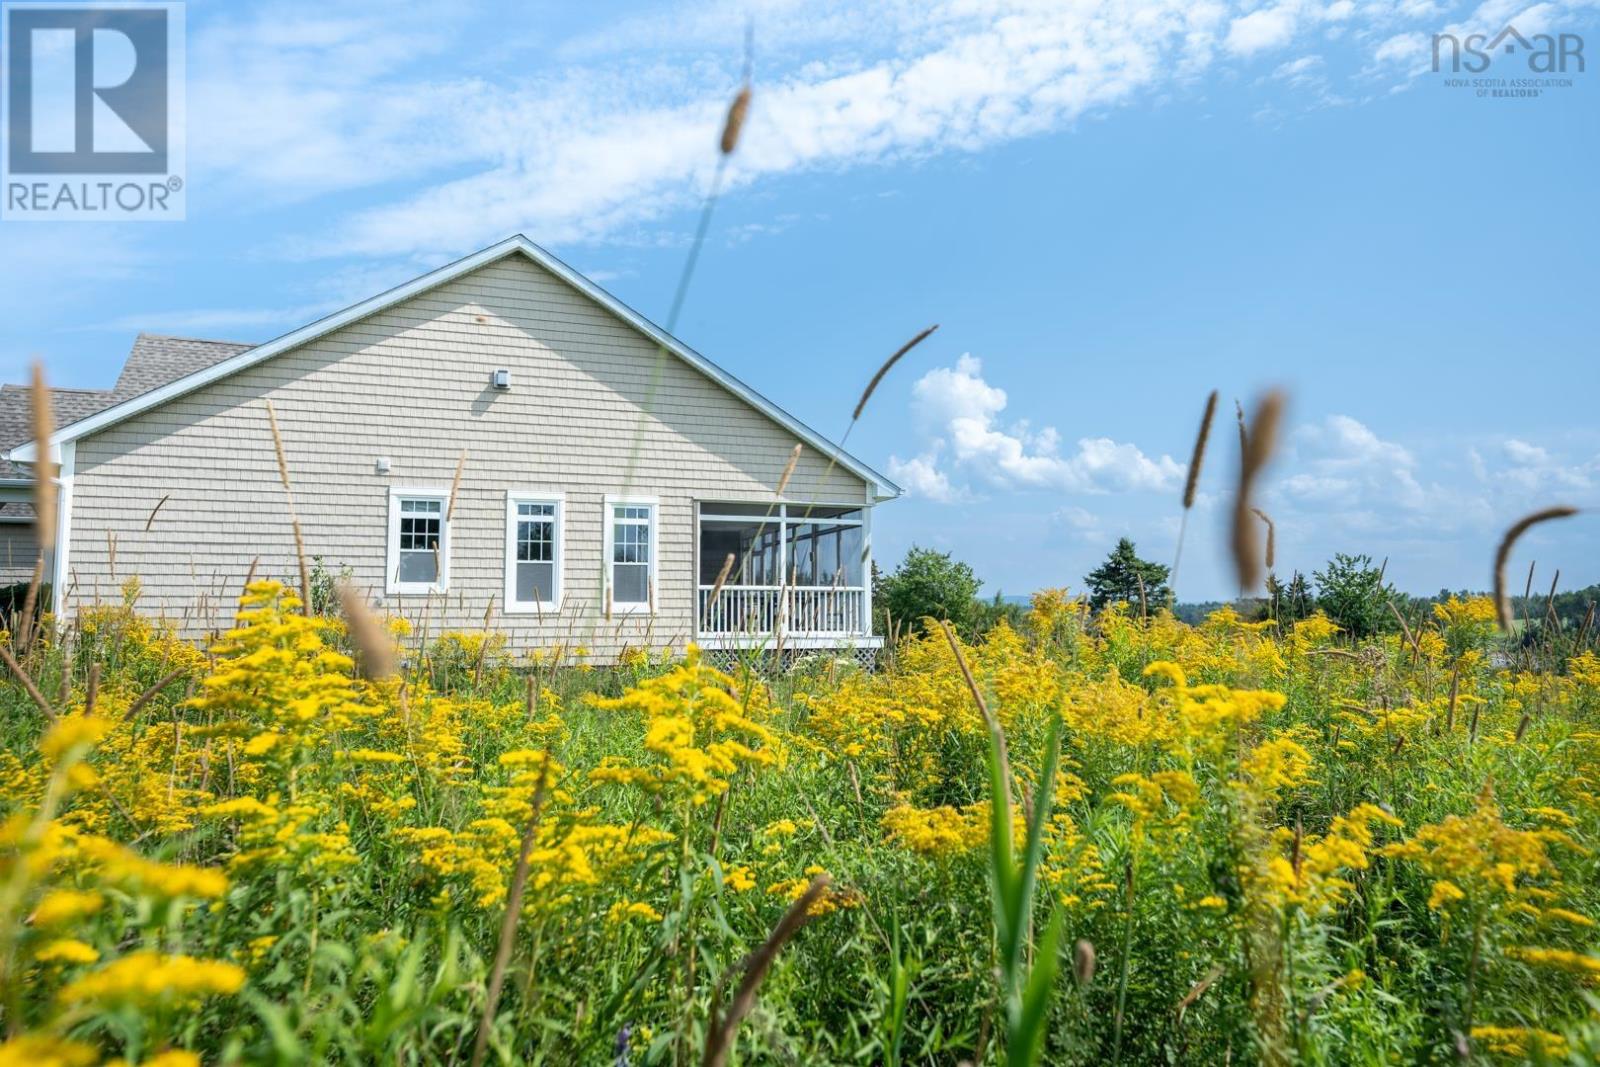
column 1191, row 482
column 1025, row 989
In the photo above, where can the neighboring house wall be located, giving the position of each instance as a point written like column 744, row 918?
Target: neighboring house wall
column 411, row 384
column 19, row 551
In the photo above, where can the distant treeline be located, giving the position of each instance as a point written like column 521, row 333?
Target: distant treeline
column 1570, row 608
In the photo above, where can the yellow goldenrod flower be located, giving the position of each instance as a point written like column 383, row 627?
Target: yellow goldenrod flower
column 149, row 978
column 66, row 905
column 66, row 950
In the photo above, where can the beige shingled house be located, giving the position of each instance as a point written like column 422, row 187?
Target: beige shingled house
column 610, row 472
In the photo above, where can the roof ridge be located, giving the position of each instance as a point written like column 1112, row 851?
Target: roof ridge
column 56, row 388
column 195, row 340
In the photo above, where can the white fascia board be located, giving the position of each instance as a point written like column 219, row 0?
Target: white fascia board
column 881, row 487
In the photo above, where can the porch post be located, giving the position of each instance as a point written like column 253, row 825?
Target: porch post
column 694, row 584
column 866, row 570
column 60, row 565
column 783, row 575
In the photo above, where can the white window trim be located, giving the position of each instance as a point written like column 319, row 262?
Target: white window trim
column 513, row 606
column 391, row 583
column 649, row 606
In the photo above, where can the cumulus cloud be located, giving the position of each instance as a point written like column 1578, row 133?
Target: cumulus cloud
column 921, row 476
column 1339, row 461
column 958, row 413
column 1339, row 472
column 1533, row 468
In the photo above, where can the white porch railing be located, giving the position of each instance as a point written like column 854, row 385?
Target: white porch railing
column 767, row 610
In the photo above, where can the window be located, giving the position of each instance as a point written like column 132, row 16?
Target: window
column 630, row 555
column 533, row 552
column 419, row 541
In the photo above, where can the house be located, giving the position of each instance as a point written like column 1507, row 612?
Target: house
column 609, row 472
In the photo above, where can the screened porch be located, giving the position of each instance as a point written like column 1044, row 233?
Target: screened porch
column 799, row 575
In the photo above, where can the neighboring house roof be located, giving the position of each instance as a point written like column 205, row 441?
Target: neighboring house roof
column 157, row 360
column 16, row 415
column 154, row 361
column 126, row 407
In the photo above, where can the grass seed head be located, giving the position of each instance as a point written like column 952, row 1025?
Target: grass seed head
column 861, row 405
column 1192, row 483
column 44, row 486
column 738, row 111
column 1502, row 556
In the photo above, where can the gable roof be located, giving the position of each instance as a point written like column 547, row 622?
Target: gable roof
column 126, row 407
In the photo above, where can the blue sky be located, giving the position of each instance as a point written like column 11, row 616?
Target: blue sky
column 1110, row 208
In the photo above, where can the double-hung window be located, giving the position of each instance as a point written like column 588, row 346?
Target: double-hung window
column 630, row 554
column 419, row 541
column 533, row 552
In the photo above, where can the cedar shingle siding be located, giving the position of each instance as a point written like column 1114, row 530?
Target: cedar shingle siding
column 411, row 384
column 19, row 551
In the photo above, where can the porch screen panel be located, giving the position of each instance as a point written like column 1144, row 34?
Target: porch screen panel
column 826, row 554
column 753, row 545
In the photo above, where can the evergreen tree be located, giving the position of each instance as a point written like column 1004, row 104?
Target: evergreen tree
column 1119, row 578
column 1289, row 602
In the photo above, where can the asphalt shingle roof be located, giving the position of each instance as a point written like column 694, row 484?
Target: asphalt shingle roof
column 156, row 359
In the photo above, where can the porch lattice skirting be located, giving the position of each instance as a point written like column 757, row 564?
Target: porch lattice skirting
column 730, row 659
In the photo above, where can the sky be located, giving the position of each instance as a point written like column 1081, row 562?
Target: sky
column 1110, row 209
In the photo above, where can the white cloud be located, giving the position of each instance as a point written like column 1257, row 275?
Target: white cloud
column 210, row 322
column 958, row 412
column 1337, row 473
column 1402, row 48
column 1523, row 454
column 921, row 476
column 610, row 130
column 1340, row 464
column 1270, row 27
column 1534, row 469
column 1295, row 71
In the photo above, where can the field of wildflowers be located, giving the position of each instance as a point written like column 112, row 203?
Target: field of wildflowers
column 1241, row 844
